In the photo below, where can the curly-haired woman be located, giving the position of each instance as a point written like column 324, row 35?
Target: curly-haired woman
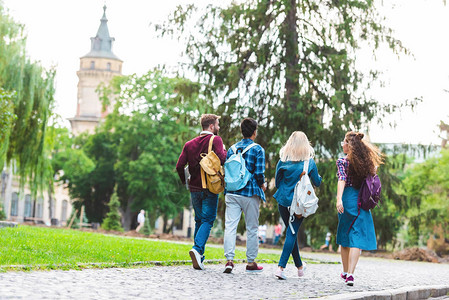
column 362, row 159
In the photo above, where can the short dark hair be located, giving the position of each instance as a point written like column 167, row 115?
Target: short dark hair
column 207, row 119
column 248, row 126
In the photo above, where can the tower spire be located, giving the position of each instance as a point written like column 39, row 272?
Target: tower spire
column 101, row 44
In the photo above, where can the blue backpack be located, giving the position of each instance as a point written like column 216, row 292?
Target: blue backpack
column 236, row 173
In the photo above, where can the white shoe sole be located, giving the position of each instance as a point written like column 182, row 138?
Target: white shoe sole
column 196, row 260
column 280, row 277
column 254, row 271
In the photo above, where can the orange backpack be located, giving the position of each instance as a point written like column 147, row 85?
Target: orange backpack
column 212, row 170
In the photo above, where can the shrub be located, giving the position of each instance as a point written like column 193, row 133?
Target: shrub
column 112, row 220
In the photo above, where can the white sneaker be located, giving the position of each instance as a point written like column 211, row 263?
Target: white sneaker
column 301, row 271
column 280, row 274
column 196, row 260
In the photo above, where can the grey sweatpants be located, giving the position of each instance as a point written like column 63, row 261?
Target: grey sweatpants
column 235, row 204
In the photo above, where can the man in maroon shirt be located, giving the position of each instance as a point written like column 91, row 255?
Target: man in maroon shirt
column 203, row 201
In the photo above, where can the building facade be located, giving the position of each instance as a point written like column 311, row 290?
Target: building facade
column 20, row 205
column 97, row 67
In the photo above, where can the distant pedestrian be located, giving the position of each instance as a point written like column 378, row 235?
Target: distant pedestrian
column 289, row 170
column 204, row 202
column 354, row 234
column 262, row 232
column 140, row 220
column 327, row 242
column 277, row 233
column 246, row 199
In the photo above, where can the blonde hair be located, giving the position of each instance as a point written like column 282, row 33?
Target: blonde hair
column 297, row 148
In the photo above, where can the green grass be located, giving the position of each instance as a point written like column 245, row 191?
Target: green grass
column 31, row 248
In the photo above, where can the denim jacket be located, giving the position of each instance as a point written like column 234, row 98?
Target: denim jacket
column 287, row 175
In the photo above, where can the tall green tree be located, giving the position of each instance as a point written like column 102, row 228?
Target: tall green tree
column 136, row 148
column 152, row 119
column 7, row 117
column 27, row 90
column 289, row 64
column 427, row 191
column 88, row 168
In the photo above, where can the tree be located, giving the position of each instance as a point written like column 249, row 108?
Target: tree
column 290, row 65
column 427, row 191
column 74, row 164
column 2, row 213
column 136, row 148
column 444, row 128
column 146, row 227
column 7, row 117
column 112, row 220
column 26, row 91
column 152, row 119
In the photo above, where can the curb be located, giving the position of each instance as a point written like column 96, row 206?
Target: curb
column 4, row 224
column 404, row 293
column 108, row 265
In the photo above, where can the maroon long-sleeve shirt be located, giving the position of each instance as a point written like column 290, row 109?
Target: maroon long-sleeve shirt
column 191, row 155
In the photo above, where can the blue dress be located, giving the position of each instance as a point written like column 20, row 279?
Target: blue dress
column 362, row 234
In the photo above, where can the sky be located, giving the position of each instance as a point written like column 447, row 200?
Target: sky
column 59, row 34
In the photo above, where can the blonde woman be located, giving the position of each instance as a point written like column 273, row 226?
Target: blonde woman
column 354, row 233
column 288, row 171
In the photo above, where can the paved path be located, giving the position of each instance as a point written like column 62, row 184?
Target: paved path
column 183, row 282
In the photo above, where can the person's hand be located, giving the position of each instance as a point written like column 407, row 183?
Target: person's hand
column 340, row 207
column 264, row 187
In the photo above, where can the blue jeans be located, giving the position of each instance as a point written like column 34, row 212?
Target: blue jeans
column 205, row 205
column 291, row 243
column 276, row 239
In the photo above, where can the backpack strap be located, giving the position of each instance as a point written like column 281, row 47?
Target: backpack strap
column 249, row 147
column 211, row 141
column 234, row 149
column 203, row 178
column 350, row 226
column 203, row 175
column 306, row 166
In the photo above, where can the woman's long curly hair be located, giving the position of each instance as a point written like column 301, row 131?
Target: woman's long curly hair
column 363, row 157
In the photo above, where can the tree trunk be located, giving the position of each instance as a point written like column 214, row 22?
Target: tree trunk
column 165, row 228
column 127, row 215
column 291, row 57
column 50, row 199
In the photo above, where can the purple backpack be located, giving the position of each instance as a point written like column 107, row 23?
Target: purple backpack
column 369, row 195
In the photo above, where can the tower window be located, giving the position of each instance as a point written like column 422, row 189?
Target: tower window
column 92, row 65
column 108, row 66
